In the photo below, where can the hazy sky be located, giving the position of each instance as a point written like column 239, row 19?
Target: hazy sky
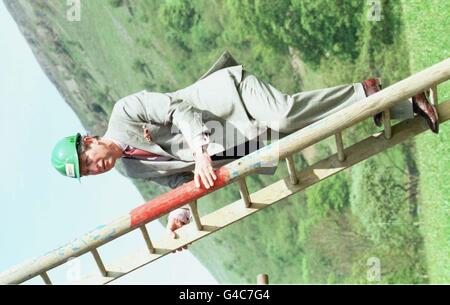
column 42, row 210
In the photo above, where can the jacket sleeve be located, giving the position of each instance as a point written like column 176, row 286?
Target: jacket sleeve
column 157, row 108
column 173, row 181
column 189, row 121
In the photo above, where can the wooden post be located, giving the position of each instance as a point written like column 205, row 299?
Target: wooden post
column 262, row 279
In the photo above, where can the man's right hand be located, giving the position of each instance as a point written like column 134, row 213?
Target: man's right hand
column 204, row 170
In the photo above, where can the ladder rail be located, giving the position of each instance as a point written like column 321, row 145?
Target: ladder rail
column 233, row 171
column 195, row 215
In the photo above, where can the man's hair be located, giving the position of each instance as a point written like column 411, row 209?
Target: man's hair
column 83, row 146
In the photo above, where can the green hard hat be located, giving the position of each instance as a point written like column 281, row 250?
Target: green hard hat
column 65, row 156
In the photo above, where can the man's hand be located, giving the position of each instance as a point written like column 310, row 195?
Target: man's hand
column 203, row 169
column 176, row 220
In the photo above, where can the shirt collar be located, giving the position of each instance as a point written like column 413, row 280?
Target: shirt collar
column 121, row 145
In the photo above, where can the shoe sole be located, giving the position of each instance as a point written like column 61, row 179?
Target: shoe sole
column 434, row 127
column 380, row 123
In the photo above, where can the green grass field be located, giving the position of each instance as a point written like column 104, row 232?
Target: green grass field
column 427, row 30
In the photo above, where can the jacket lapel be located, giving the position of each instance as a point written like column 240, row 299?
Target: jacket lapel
column 133, row 136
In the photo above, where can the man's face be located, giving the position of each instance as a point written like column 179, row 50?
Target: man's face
column 97, row 158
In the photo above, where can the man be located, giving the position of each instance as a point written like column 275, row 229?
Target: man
column 163, row 137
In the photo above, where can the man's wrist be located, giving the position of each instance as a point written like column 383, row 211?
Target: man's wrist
column 199, row 151
column 199, row 144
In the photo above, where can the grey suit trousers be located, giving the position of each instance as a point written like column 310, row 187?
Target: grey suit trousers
column 288, row 113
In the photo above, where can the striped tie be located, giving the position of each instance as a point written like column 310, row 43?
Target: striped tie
column 136, row 152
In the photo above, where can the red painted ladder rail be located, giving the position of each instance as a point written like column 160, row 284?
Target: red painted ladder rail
column 236, row 171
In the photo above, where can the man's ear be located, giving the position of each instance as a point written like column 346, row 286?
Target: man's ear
column 89, row 140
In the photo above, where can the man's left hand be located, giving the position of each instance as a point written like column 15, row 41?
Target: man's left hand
column 172, row 226
column 204, row 170
column 176, row 220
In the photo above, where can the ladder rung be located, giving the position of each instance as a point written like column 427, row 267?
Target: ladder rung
column 339, row 146
column 433, row 95
column 194, row 211
column 147, row 239
column 99, row 262
column 387, row 124
column 291, row 169
column 244, row 192
column 46, row 279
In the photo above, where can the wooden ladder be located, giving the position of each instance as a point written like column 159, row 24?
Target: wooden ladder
column 237, row 171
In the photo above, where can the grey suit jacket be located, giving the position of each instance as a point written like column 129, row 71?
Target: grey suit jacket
column 212, row 105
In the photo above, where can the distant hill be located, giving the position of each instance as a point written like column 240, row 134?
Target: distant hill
column 119, row 47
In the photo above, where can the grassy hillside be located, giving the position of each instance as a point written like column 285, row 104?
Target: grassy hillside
column 324, row 235
column 427, row 25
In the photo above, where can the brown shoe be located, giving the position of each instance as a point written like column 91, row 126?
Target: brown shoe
column 423, row 107
column 371, row 86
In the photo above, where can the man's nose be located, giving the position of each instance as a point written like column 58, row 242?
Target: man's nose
column 99, row 164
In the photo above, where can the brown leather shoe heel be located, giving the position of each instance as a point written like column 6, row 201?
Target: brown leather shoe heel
column 371, row 86
column 423, row 107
